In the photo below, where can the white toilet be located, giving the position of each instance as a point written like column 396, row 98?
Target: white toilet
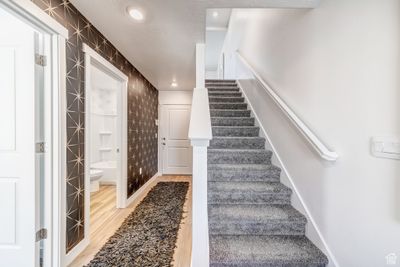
column 95, row 176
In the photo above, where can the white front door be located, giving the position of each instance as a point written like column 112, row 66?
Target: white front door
column 17, row 143
column 176, row 149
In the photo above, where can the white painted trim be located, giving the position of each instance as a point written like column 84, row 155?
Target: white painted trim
column 200, row 120
column 101, row 60
column 73, row 253
column 33, row 15
column 59, row 240
column 310, row 137
column 296, row 192
column 200, row 65
column 37, row 16
column 93, row 58
column 142, row 189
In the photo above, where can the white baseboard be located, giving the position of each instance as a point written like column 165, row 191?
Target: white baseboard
column 296, row 194
column 132, row 198
column 71, row 256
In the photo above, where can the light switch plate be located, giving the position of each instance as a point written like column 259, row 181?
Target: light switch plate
column 386, row 147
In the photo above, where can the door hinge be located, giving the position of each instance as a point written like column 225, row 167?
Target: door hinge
column 40, row 60
column 40, row 147
column 41, row 234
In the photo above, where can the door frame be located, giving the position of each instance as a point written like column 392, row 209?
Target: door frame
column 92, row 58
column 55, row 93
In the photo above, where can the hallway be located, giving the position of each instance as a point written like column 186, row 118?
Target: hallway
column 106, row 219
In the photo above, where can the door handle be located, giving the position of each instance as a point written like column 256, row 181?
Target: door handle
column 163, row 144
column 163, row 138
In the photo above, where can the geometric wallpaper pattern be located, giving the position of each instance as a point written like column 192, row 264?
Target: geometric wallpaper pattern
column 142, row 113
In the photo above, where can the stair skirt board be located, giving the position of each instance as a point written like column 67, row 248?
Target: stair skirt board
column 251, row 219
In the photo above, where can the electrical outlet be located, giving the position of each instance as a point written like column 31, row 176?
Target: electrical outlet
column 140, row 170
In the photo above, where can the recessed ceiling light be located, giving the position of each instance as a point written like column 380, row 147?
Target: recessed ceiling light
column 215, row 14
column 174, row 84
column 136, row 14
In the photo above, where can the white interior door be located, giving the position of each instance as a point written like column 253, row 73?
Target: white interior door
column 176, row 149
column 17, row 143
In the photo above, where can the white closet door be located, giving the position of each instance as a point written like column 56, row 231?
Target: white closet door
column 176, row 149
column 17, row 143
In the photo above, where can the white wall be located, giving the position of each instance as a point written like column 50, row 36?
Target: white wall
column 103, row 116
column 214, row 42
column 338, row 67
column 175, row 97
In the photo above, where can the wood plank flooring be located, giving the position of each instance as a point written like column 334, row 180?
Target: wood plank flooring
column 105, row 219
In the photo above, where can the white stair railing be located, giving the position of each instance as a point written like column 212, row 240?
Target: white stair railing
column 200, row 135
column 315, row 142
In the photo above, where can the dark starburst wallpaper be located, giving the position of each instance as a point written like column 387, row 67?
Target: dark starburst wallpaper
column 142, row 109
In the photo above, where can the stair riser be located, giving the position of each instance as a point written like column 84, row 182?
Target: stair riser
column 224, row 94
column 224, row 89
column 230, row 113
column 226, row 99
column 233, row 157
column 220, row 85
column 220, row 80
column 216, row 197
column 240, row 106
column 235, row 131
column 232, row 122
column 237, row 143
column 267, row 227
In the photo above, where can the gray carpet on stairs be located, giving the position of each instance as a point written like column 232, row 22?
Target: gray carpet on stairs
column 251, row 221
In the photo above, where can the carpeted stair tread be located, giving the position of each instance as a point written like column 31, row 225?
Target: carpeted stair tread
column 255, row 219
column 239, row 156
column 245, row 131
column 224, row 94
column 248, row 193
column 218, row 99
column 251, row 221
column 229, row 113
column 232, row 121
column 229, row 142
column 243, row 167
column 220, row 80
column 231, row 89
column 214, row 105
column 264, row 251
column 243, row 172
column 212, row 85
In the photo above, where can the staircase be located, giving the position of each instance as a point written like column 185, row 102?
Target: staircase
column 251, row 221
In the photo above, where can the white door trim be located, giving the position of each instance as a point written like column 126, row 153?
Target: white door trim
column 93, row 58
column 36, row 16
column 44, row 23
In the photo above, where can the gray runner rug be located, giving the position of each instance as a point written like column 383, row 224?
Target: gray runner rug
column 148, row 235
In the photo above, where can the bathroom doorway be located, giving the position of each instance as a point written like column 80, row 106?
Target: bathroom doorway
column 105, row 138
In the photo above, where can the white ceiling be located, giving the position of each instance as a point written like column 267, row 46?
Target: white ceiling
column 163, row 47
column 219, row 22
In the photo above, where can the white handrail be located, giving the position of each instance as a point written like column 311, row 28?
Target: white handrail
column 314, row 141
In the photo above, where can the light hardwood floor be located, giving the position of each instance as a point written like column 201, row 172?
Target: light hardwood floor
column 105, row 219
